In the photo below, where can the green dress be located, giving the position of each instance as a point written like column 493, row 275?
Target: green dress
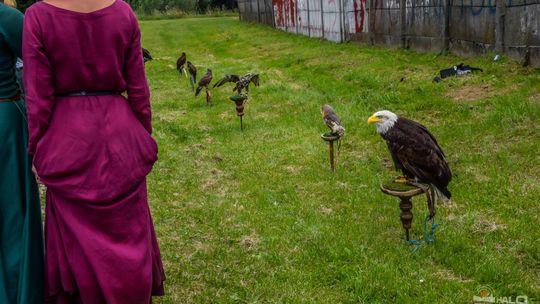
column 21, row 241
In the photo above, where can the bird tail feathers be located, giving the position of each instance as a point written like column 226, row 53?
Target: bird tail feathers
column 442, row 194
column 198, row 91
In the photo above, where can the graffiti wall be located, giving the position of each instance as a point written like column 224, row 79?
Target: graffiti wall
column 465, row 27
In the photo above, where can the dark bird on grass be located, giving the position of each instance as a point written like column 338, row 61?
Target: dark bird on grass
column 332, row 120
column 146, row 55
column 415, row 152
column 242, row 83
column 204, row 82
column 192, row 74
column 180, row 63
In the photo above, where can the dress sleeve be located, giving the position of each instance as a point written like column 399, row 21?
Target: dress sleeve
column 12, row 31
column 37, row 81
column 137, row 85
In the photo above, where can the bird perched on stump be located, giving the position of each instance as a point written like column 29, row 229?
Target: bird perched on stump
column 332, row 120
column 192, row 74
column 242, row 83
column 146, row 55
column 204, row 82
column 180, row 64
column 415, row 152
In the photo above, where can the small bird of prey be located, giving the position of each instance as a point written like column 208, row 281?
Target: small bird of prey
column 204, row 82
column 192, row 74
column 332, row 120
column 242, row 83
column 146, row 55
column 180, row 64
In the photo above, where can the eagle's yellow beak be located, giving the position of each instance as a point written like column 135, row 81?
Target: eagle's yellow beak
column 373, row 119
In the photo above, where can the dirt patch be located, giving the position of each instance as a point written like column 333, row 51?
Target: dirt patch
column 449, row 275
column 535, row 98
column 472, row 93
column 250, row 241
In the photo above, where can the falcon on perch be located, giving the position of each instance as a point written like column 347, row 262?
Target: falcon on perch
column 242, row 82
column 180, row 64
column 192, row 74
column 332, row 120
column 204, row 82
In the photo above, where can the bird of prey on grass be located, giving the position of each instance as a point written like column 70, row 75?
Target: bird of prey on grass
column 205, row 83
column 180, row 63
column 242, row 82
column 146, row 55
column 192, row 74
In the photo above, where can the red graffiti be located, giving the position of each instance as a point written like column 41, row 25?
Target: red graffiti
column 285, row 12
column 359, row 12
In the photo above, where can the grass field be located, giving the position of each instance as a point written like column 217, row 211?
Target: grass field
column 256, row 216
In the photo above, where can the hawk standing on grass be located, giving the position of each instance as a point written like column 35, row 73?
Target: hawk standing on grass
column 146, row 55
column 204, row 82
column 332, row 120
column 242, row 83
column 180, row 64
column 192, row 74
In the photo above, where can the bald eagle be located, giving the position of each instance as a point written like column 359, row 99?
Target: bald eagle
column 414, row 151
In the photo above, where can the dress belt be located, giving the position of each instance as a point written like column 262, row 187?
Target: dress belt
column 91, row 93
column 14, row 98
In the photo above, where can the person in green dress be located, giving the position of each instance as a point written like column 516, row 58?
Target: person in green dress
column 21, row 241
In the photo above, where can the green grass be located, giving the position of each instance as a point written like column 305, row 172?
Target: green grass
column 256, row 217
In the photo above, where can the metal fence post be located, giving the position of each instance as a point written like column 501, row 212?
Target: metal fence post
column 322, row 19
column 499, row 25
column 258, row 11
column 403, row 23
column 446, row 30
column 340, row 20
column 308, row 19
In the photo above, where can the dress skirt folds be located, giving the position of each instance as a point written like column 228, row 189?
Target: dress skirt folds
column 93, row 153
column 21, row 242
column 101, row 245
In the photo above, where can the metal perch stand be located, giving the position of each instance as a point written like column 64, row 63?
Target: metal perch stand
column 240, row 101
column 405, row 192
column 331, row 138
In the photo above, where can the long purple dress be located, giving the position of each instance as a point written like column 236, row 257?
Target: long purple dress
column 93, row 153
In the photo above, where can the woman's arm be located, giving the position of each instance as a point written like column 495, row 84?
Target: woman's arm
column 137, row 85
column 37, row 81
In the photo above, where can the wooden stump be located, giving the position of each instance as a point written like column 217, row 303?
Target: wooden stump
column 404, row 192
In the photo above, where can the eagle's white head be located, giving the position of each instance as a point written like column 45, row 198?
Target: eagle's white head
column 383, row 120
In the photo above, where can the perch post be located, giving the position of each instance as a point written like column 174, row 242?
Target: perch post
column 404, row 192
column 240, row 101
column 331, row 138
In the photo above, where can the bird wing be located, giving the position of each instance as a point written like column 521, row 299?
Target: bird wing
column 207, row 78
column 192, row 69
column 227, row 78
column 255, row 79
column 180, row 62
column 416, row 152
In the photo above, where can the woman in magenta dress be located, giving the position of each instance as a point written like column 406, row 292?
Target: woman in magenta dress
column 92, row 148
